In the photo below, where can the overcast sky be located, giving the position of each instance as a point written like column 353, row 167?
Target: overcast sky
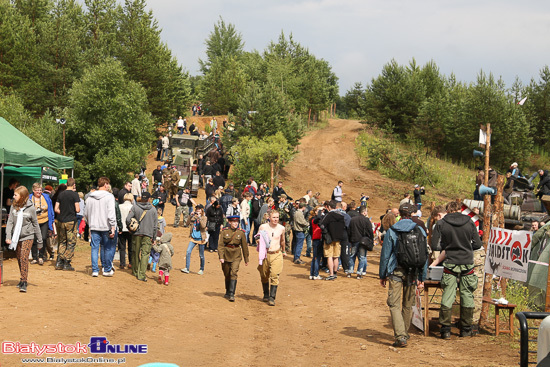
column 357, row 37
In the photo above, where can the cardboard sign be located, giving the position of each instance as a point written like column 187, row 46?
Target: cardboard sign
column 508, row 253
column 417, row 318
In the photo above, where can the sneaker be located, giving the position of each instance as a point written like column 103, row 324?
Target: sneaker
column 185, row 270
column 364, row 273
column 318, row 277
column 34, row 262
column 359, row 277
column 331, row 277
column 400, row 343
column 108, row 273
column 51, row 257
column 95, row 273
column 446, row 335
column 327, row 271
column 311, row 277
column 200, row 272
column 348, row 275
column 41, row 261
column 298, row 262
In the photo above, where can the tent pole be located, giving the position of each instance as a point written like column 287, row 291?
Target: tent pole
column 72, row 172
column 41, row 176
column 1, row 206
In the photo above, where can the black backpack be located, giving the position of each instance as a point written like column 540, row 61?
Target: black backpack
column 412, row 250
column 332, row 197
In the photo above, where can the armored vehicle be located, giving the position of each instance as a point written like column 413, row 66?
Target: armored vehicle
column 185, row 151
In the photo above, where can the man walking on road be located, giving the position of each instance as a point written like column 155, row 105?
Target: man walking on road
column 66, row 207
column 100, row 214
column 401, row 291
column 232, row 248
column 272, row 265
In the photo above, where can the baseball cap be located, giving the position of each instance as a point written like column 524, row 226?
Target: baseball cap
column 407, row 207
column 145, row 196
column 415, row 186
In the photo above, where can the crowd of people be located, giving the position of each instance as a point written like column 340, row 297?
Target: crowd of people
column 337, row 235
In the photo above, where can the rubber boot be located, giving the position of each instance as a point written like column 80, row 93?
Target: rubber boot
column 161, row 273
column 67, row 266
column 226, row 295
column 265, row 286
column 60, row 263
column 154, row 267
column 272, row 295
column 466, row 317
column 166, row 279
column 232, row 286
column 445, row 314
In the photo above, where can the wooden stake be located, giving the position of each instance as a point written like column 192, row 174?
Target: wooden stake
column 499, row 220
column 272, row 169
column 486, row 228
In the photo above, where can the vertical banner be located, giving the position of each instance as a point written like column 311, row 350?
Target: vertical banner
column 508, row 253
column 417, row 318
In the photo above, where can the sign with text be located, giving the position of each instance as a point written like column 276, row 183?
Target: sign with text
column 508, row 253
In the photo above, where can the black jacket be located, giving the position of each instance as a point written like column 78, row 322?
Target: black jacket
column 215, row 214
column 336, row 225
column 359, row 227
column 544, row 184
column 458, row 236
column 219, row 181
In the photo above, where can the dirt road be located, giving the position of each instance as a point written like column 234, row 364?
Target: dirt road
column 314, row 323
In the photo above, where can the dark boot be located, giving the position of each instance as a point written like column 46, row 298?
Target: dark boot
column 226, row 295
column 466, row 317
column 23, row 287
column 60, row 264
column 19, row 285
column 232, row 286
column 445, row 315
column 68, row 266
column 265, row 286
column 272, row 295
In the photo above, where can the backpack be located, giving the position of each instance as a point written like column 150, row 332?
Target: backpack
column 332, row 197
column 412, row 250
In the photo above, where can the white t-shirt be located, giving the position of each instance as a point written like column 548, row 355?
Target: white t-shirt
column 180, row 123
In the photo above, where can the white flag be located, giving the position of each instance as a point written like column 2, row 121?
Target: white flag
column 482, row 137
column 522, row 101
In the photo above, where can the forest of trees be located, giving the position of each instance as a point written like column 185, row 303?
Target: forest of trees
column 102, row 66
column 419, row 104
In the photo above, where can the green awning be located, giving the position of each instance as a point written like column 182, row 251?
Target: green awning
column 17, row 149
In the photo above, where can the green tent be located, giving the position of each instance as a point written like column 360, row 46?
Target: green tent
column 17, row 149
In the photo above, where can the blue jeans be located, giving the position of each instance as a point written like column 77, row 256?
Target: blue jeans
column 102, row 242
column 308, row 244
column 300, row 236
column 246, row 229
column 188, row 255
column 317, row 257
column 360, row 253
column 214, row 237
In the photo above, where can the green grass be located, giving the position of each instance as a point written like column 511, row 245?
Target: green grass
column 413, row 165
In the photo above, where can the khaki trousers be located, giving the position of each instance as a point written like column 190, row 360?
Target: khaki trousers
column 271, row 268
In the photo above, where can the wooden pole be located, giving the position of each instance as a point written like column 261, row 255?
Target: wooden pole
column 272, row 169
column 486, row 228
column 308, row 117
column 499, row 219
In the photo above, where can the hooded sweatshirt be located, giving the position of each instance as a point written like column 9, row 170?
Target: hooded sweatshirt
column 149, row 223
column 544, row 183
column 388, row 255
column 458, row 236
column 30, row 228
column 166, row 251
column 100, row 211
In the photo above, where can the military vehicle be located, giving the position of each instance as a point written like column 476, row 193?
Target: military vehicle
column 185, row 151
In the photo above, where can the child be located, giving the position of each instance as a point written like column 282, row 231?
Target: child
column 364, row 199
column 162, row 221
column 154, row 255
column 165, row 250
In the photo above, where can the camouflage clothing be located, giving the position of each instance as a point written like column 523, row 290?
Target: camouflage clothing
column 66, row 238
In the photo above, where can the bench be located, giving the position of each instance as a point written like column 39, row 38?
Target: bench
column 498, row 306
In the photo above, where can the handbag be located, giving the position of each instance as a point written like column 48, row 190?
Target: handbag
column 211, row 226
column 134, row 223
column 367, row 242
